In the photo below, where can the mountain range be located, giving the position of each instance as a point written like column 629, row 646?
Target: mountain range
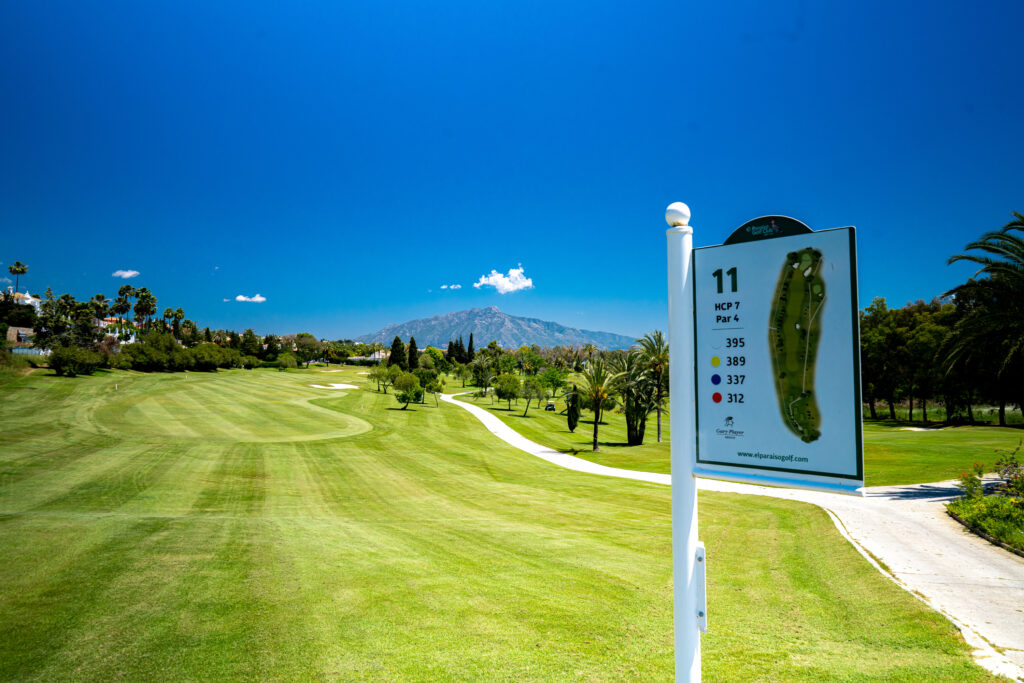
column 489, row 323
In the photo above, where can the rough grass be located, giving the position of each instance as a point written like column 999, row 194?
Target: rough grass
column 419, row 549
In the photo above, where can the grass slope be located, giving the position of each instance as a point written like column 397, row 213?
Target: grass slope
column 246, row 525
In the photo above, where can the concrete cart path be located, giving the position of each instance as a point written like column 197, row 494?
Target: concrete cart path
column 975, row 584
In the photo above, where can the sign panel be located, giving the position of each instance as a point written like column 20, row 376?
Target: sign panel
column 777, row 358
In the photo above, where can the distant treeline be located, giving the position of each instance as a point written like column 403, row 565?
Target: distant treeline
column 964, row 349
column 909, row 356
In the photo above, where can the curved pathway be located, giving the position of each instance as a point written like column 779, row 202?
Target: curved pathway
column 975, row 584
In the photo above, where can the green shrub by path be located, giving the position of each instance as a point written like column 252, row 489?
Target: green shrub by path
column 245, row 525
column 1001, row 517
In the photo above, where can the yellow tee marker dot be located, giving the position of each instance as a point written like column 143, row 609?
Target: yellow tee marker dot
column 715, row 361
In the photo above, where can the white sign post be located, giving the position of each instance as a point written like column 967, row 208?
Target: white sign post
column 688, row 615
column 765, row 377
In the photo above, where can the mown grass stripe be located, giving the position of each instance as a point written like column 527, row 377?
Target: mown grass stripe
column 423, row 549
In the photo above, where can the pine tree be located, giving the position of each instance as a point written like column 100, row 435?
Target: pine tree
column 469, row 350
column 460, row 350
column 414, row 354
column 207, row 336
column 449, row 354
column 398, row 356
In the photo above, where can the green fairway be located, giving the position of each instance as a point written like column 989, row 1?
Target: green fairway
column 895, row 454
column 246, row 525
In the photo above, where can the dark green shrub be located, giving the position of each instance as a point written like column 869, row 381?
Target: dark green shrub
column 69, row 361
column 208, row 357
column 156, row 352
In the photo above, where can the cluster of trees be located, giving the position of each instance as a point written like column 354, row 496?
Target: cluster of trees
column 459, row 352
column 964, row 349
column 11, row 313
column 127, row 333
column 410, row 386
column 635, row 380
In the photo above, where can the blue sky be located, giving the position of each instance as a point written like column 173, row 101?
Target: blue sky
column 346, row 160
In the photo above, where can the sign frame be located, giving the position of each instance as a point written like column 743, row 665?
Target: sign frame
column 764, row 229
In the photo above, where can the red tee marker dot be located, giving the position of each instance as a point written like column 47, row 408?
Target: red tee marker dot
column 716, row 397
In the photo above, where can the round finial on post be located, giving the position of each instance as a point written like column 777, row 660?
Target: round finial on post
column 677, row 214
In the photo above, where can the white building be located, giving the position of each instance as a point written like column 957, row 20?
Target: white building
column 25, row 299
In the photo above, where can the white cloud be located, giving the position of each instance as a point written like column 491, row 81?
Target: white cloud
column 125, row 274
column 513, row 282
column 451, row 286
column 6, row 279
column 257, row 299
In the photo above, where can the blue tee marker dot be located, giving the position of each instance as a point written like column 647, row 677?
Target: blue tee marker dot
column 716, row 379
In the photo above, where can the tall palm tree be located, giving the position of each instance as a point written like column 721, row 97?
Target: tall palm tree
column 122, row 305
column 589, row 349
column 636, row 389
column 994, row 321
column 100, row 306
column 655, row 354
column 17, row 269
column 145, row 305
column 168, row 317
column 179, row 315
column 599, row 385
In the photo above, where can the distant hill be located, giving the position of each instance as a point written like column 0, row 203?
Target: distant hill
column 490, row 323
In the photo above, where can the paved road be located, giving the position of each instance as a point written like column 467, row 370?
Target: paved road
column 977, row 585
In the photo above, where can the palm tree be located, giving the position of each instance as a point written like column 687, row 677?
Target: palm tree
column 179, row 315
column 168, row 317
column 994, row 321
column 599, row 387
column 145, row 305
column 635, row 387
column 17, row 269
column 122, row 305
column 100, row 306
column 655, row 355
column 589, row 349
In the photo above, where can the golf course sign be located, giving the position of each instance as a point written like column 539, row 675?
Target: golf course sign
column 776, row 340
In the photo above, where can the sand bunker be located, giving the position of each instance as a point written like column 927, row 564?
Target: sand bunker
column 330, row 371
column 920, row 429
column 334, row 386
column 362, row 373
